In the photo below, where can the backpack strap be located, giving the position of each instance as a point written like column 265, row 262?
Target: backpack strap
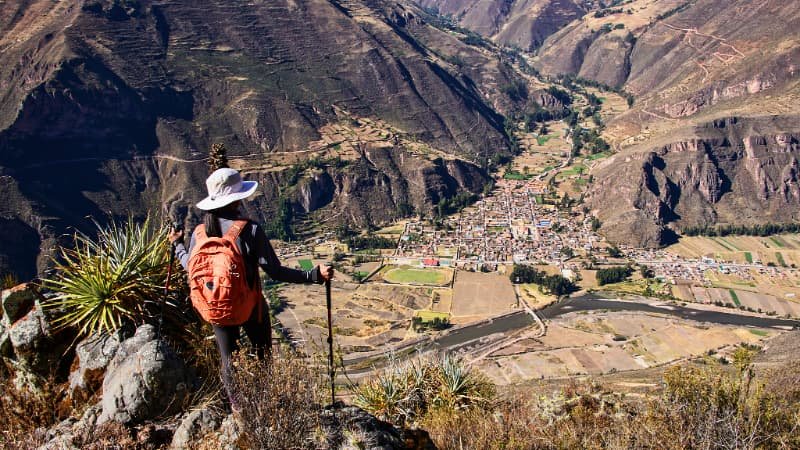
column 200, row 232
column 235, row 230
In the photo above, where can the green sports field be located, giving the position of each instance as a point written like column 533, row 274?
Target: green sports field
column 413, row 275
column 306, row 264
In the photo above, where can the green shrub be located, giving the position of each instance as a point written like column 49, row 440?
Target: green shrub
column 117, row 278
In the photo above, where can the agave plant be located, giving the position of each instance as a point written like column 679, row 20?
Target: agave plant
column 117, row 278
column 395, row 393
column 458, row 385
column 383, row 396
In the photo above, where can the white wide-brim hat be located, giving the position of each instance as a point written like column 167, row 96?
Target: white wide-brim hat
column 225, row 186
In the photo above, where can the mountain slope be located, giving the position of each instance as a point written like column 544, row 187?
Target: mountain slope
column 109, row 107
column 519, row 23
column 731, row 171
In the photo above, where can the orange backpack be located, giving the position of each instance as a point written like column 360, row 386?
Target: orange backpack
column 218, row 278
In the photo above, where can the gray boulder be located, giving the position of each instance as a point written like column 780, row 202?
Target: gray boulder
column 194, row 426
column 92, row 357
column 144, row 380
column 60, row 437
column 17, row 302
column 34, row 346
column 350, row 427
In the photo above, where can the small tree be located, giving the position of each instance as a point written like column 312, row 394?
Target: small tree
column 217, row 157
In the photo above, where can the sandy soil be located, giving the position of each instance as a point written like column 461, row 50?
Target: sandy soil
column 482, row 294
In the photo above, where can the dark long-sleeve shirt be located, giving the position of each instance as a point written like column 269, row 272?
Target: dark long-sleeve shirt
column 257, row 251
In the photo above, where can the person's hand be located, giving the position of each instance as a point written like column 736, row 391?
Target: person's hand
column 326, row 273
column 174, row 235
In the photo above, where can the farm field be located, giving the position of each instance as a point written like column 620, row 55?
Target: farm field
column 601, row 343
column 781, row 250
column 367, row 316
column 613, row 103
column 785, row 285
column 392, row 231
column 755, row 301
column 417, row 276
column 479, row 295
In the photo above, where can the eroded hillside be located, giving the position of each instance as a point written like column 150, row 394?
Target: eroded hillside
column 731, row 171
column 109, row 107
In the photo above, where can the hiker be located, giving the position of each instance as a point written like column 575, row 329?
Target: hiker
column 224, row 219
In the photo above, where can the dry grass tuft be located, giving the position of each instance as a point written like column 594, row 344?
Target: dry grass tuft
column 23, row 411
column 279, row 402
column 699, row 408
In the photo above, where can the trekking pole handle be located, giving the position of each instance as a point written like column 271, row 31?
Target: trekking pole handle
column 175, row 227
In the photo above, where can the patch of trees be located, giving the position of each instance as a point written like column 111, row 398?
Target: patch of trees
column 280, row 227
column 455, row 204
column 766, row 229
column 673, row 11
column 516, row 90
column 541, row 115
column 438, row 323
column 369, row 241
column 614, row 252
column 596, row 224
column 588, row 140
column 554, row 284
column 574, row 83
column 560, row 95
column 295, row 171
column 607, row 12
column 405, row 209
column 613, row 275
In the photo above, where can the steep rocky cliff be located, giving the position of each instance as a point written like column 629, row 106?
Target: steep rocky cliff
column 730, row 171
column 109, row 107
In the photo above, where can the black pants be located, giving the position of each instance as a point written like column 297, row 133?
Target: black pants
column 258, row 330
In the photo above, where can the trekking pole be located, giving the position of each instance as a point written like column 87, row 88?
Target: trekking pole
column 175, row 227
column 331, row 367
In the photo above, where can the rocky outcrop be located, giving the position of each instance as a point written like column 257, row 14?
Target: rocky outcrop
column 92, row 356
column 352, row 427
column 380, row 186
column 144, row 380
column 26, row 336
column 730, row 172
column 17, row 302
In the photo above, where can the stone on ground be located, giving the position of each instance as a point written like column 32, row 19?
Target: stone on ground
column 146, row 379
column 92, row 357
column 194, row 426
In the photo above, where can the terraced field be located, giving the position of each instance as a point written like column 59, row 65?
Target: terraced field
column 781, row 250
column 598, row 343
